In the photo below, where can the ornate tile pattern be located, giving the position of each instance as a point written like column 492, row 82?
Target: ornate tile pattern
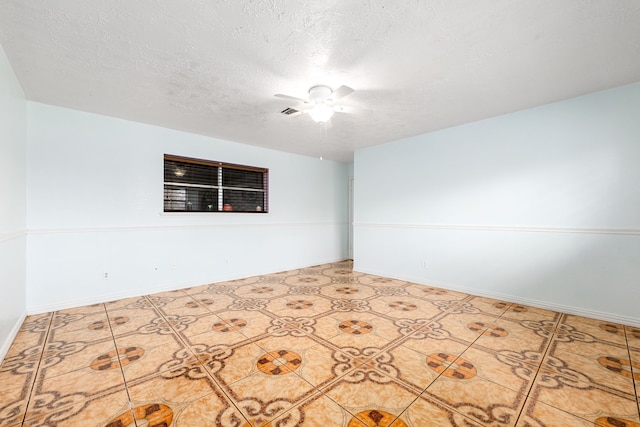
column 319, row 346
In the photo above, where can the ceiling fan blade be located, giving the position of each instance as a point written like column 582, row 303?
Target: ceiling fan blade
column 293, row 98
column 341, row 92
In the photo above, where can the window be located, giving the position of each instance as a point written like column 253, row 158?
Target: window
column 193, row 185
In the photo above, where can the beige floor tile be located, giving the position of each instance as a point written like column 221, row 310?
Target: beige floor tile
column 373, row 280
column 358, row 341
column 469, row 327
column 14, row 398
column 591, row 349
column 322, row 365
column 37, row 322
column 327, row 327
column 403, row 307
column 247, row 323
column 299, row 305
column 347, row 290
column 74, row 411
column 129, row 306
column 188, row 306
column 263, row 290
column 517, row 336
column 359, row 395
column 564, row 391
column 475, row 397
column 377, row 417
column 488, row 305
column 83, row 310
column 358, row 330
column 292, row 326
column 125, row 322
column 427, row 412
column 633, row 337
column 64, row 323
column 408, row 366
column 298, row 354
column 20, row 368
column 154, row 336
column 386, row 327
column 537, row 414
column 175, row 391
column 427, row 345
column 212, row 301
column 72, row 388
column 433, row 293
column 197, row 324
column 171, row 323
column 603, row 366
column 308, row 278
column 232, row 364
column 392, row 328
column 61, row 357
column 95, row 329
column 422, row 329
column 635, row 363
column 495, row 369
column 263, row 396
column 317, row 411
column 25, row 343
column 608, row 332
column 141, row 361
column 217, row 338
column 211, row 410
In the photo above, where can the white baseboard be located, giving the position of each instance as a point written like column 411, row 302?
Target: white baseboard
column 578, row 311
column 4, row 347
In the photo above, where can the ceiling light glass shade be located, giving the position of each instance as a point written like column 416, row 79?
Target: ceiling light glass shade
column 321, row 113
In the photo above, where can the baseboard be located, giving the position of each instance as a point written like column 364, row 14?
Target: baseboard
column 4, row 348
column 156, row 289
column 578, row 311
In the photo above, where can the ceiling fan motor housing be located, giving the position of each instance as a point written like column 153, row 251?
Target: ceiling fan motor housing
column 318, row 94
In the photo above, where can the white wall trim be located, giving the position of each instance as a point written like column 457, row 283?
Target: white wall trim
column 12, row 235
column 593, row 314
column 181, row 227
column 4, row 347
column 528, row 229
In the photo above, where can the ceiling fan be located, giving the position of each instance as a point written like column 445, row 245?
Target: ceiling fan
column 319, row 103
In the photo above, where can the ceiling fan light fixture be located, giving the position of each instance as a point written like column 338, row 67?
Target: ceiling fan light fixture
column 321, row 113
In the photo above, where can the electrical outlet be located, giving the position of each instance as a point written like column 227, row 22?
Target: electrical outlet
column 105, row 276
column 425, row 264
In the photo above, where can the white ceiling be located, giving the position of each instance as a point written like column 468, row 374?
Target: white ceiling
column 212, row 67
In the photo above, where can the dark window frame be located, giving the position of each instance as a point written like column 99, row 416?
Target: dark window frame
column 198, row 185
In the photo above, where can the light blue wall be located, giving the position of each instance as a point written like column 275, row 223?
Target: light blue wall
column 540, row 206
column 95, row 201
column 13, row 122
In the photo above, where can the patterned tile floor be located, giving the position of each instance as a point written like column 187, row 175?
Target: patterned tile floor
column 319, row 346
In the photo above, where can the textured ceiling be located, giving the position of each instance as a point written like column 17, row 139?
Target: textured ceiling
column 212, row 67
